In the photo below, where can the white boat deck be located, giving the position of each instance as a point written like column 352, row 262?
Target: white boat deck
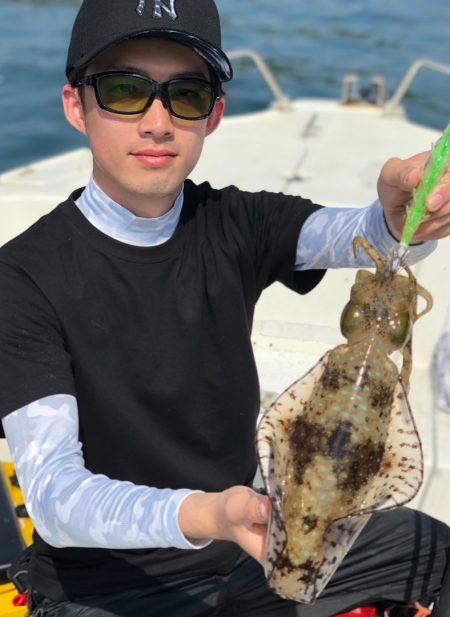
column 332, row 154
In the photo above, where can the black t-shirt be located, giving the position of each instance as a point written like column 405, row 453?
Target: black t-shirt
column 154, row 342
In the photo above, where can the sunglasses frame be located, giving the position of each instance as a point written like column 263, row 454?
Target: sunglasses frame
column 158, row 87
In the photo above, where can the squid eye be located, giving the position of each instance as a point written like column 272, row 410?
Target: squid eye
column 399, row 328
column 351, row 319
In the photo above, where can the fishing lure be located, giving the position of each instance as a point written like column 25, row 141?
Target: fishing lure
column 432, row 174
column 341, row 443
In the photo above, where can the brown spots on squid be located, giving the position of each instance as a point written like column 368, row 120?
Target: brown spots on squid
column 385, row 468
column 284, row 563
column 307, row 570
column 381, row 395
column 310, row 572
column 330, row 378
column 309, row 523
column 339, row 440
column 363, row 462
column 354, row 464
column 305, row 440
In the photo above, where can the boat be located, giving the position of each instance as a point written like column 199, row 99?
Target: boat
column 328, row 150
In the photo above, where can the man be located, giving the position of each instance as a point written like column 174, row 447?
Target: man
column 129, row 391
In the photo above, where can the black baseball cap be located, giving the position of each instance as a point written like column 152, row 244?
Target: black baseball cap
column 101, row 24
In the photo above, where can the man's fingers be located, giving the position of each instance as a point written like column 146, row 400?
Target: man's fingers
column 263, row 509
column 403, row 174
column 441, row 194
column 258, row 509
column 410, row 178
column 435, row 201
column 432, row 230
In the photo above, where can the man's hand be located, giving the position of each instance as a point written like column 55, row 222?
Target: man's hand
column 238, row 514
column 395, row 184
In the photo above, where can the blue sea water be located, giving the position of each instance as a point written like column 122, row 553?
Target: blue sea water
column 309, row 45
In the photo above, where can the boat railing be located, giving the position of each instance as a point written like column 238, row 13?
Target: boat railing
column 281, row 100
column 392, row 106
column 376, row 94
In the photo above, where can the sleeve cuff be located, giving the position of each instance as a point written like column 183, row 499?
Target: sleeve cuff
column 416, row 252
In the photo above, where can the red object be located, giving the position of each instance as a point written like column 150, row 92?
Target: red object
column 361, row 611
column 20, row 600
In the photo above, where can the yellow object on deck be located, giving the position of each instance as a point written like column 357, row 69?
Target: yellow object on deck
column 16, row 530
column 7, row 609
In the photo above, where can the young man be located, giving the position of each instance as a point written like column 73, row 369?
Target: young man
column 129, row 392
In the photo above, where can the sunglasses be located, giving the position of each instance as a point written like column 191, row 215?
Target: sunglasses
column 130, row 93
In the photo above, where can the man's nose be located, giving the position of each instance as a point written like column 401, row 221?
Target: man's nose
column 157, row 119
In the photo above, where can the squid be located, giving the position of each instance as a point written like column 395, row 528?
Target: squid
column 341, row 442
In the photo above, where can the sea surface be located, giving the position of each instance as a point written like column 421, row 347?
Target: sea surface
column 310, row 45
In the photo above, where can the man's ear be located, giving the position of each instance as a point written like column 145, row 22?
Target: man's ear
column 73, row 108
column 216, row 116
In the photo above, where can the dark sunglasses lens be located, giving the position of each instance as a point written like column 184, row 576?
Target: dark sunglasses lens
column 190, row 99
column 124, row 93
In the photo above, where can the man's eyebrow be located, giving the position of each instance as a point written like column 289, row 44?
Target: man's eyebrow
column 195, row 74
column 182, row 74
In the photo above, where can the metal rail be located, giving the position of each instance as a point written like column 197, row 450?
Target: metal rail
column 393, row 105
column 281, row 100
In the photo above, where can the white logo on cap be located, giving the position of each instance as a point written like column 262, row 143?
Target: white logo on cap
column 159, row 7
column 140, row 7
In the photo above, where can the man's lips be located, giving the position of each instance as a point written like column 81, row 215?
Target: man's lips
column 154, row 158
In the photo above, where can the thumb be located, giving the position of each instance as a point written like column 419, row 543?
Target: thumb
column 410, row 178
column 403, row 174
column 259, row 509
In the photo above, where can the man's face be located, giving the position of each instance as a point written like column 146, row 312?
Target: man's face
column 141, row 161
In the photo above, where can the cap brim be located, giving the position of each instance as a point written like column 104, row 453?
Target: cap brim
column 214, row 56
